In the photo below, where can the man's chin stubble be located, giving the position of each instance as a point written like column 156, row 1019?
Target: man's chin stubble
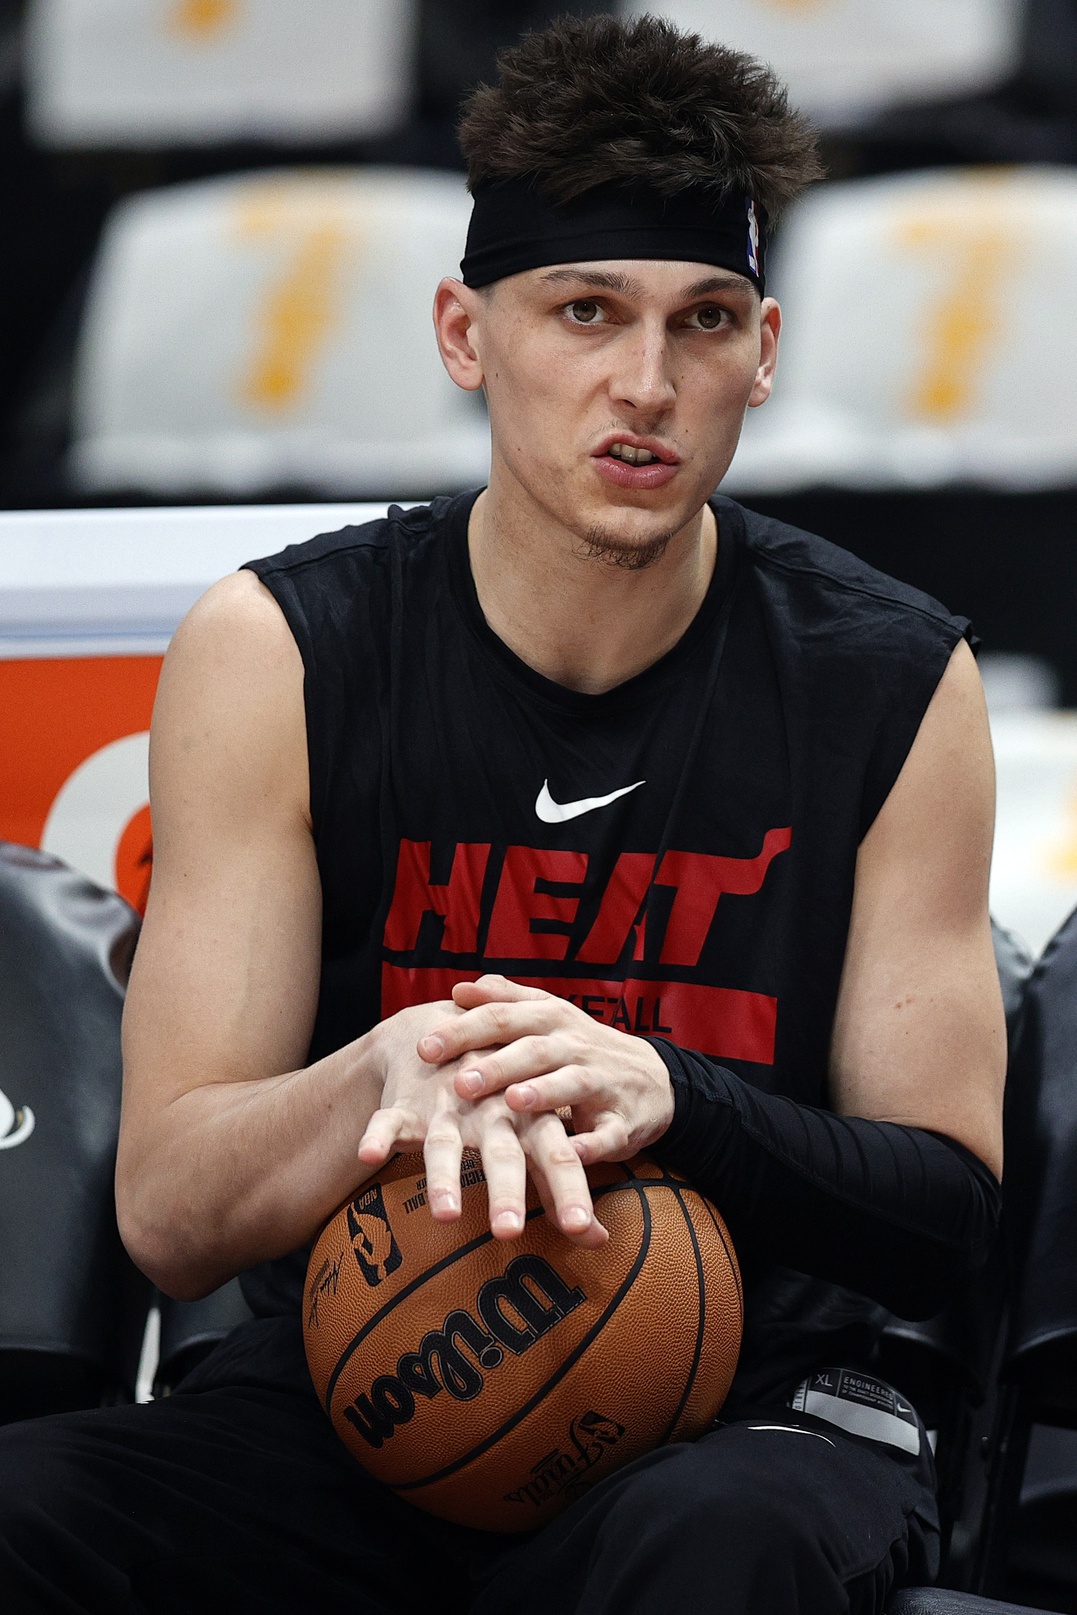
column 611, row 550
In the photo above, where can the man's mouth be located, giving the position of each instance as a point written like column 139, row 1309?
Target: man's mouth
column 642, row 467
column 630, row 455
column 636, row 465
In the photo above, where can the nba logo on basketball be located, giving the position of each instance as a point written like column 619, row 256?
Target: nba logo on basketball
column 373, row 1242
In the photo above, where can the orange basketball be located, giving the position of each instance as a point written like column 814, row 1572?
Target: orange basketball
column 492, row 1382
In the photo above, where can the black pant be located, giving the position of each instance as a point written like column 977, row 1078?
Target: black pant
column 235, row 1492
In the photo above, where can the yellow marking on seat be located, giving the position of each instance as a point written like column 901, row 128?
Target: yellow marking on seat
column 975, row 236
column 301, row 307
column 1062, row 857
column 204, row 19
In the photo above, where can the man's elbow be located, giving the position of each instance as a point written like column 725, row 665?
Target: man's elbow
column 159, row 1242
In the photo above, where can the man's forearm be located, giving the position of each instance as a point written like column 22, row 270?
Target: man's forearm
column 235, row 1173
column 898, row 1213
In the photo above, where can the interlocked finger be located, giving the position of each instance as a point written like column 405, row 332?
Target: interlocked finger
column 489, row 1026
column 608, row 1140
column 527, row 1057
column 505, row 1166
column 442, row 1152
column 568, row 1086
column 388, row 1130
column 555, row 1162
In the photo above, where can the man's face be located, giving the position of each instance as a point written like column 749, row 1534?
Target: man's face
column 592, row 367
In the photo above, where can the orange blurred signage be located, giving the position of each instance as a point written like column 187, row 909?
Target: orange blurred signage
column 88, row 602
column 74, row 744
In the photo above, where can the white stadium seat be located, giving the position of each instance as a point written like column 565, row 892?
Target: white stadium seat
column 929, row 336
column 843, row 58
column 150, row 73
column 274, row 330
column 1034, row 869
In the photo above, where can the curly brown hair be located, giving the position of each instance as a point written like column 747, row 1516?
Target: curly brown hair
column 595, row 99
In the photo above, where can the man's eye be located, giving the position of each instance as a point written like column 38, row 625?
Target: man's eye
column 585, row 312
column 709, row 318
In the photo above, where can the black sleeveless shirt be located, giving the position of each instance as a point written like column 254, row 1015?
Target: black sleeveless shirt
column 675, row 855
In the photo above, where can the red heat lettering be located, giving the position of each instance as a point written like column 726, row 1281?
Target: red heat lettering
column 527, row 923
column 457, row 902
column 621, row 904
column 700, row 880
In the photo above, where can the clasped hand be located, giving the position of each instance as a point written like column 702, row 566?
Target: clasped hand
column 498, row 1069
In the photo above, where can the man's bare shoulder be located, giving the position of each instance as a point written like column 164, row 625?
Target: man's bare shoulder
column 948, row 780
column 236, row 618
column 230, row 700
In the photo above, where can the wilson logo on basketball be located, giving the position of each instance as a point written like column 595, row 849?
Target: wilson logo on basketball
column 514, row 1311
column 373, row 1242
column 591, row 1436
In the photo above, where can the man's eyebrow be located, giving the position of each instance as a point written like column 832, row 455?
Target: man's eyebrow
column 607, row 280
column 602, row 279
column 726, row 282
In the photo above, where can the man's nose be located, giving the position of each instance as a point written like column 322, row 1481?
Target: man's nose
column 642, row 377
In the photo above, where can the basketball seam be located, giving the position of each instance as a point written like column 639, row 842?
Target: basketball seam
column 555, row 1379
column 730, row 1252
column 694, row 1369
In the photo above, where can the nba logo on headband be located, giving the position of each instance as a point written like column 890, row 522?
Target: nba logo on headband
column 753, row 238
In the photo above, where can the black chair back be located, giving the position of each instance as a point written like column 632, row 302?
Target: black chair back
column 947, row 1365
column 72, row 1307
column 1039, row 1369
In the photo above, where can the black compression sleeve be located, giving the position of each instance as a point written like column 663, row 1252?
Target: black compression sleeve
column 898, row 1213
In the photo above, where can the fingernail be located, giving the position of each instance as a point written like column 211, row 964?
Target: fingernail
column 575, row 1219
column 471, row 1081
column 447, row 1201
column 508, row 1222
column 525, row 1093
column 431, row 1046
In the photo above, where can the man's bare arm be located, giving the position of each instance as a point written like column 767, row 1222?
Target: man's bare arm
column 230, row 1153
column 919, row 1035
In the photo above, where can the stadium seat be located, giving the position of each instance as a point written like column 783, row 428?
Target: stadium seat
column 1030, row 118
column 72, row 1308
column 272, row 332
column 915, row 353
column 190, row 1329
column 163, row 73
column 842, row 58
column 1039, row 1370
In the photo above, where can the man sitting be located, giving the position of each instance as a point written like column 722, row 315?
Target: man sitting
column 585, row 814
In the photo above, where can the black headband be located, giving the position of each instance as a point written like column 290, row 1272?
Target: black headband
column 514, row 227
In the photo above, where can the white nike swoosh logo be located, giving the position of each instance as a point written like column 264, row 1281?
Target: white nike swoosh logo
column 551, row 812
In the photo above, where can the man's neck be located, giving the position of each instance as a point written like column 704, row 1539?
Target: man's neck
column 585, row 623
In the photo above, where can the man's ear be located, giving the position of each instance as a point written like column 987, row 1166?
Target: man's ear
column 770, row 325
column 457, row 316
